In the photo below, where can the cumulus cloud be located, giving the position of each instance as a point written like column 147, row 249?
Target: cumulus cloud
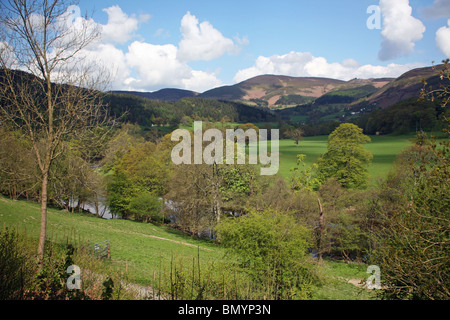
column 201, row 41
column 147, row 67
column 142, row 66
column 120, row 27
column 439, row 9
column 157, row 66
column 111, row 62
column 443, row 39
column 400, row 29
column 304, row 64
column 201, row 81
column 8, row 57
column 76, row 29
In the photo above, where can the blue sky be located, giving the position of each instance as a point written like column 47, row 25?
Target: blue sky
column 201, row 44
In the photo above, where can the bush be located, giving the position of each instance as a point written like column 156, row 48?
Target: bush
column 145, row 207
column 14, row 265
column 272, row 248
column 413, row 242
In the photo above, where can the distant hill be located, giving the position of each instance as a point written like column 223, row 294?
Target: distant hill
column 267, row 90
column 279, row 91
column 317, row 104
column 284, row 91
column 163, row 94
column 405, row 87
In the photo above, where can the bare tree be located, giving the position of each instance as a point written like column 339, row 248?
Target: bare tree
column 47, row 85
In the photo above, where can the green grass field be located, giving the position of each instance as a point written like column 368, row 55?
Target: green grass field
column 384, row 149
column 140, row 250
column 139, row 247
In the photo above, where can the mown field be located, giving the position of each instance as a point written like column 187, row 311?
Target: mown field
column 384, row 149
column 141, row 251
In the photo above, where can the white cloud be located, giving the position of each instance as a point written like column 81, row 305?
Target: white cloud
column 443, row 39
column 291, row 64
column 111, row 62
column 162, row 33
column 201, row 41
column 439, row 9
column 76, row 29
column 8, row 57
column 304, row 64
column 144, row 66
column 201, row 81
column 120, row 27
column 400, row 29
column 157, row 66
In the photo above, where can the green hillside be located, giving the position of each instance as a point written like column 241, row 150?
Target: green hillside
column 142, row 252
column 143, row 248
column 346, row 95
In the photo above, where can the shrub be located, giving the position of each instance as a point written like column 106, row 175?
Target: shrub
column 14, row 265
column 146, row 206
column 272, row 248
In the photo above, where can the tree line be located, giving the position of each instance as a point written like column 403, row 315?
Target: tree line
column 411, row 115
column 271, row 223
column 146, row 112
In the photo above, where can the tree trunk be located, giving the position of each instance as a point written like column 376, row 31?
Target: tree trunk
column 43, row 233
column 320, row 235
column 217, row 210
column 216, row 191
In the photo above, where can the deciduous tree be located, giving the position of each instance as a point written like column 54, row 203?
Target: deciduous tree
column 51, row 101
column 346, row 159
column 295, row 134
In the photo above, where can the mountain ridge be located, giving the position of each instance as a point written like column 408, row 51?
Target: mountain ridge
column 166, row 94
column 281, row 91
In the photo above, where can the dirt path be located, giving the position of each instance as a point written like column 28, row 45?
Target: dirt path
column 165, row 239
column 357, row 282
column 175, row 241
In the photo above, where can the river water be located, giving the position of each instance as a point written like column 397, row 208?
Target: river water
column 103, row 210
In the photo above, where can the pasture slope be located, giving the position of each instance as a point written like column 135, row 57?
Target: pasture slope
column 384, row 149
column 139, row 250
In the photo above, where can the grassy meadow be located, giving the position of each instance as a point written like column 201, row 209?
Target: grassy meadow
column 143, row 252
column 384, row 149
column 137, row 247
